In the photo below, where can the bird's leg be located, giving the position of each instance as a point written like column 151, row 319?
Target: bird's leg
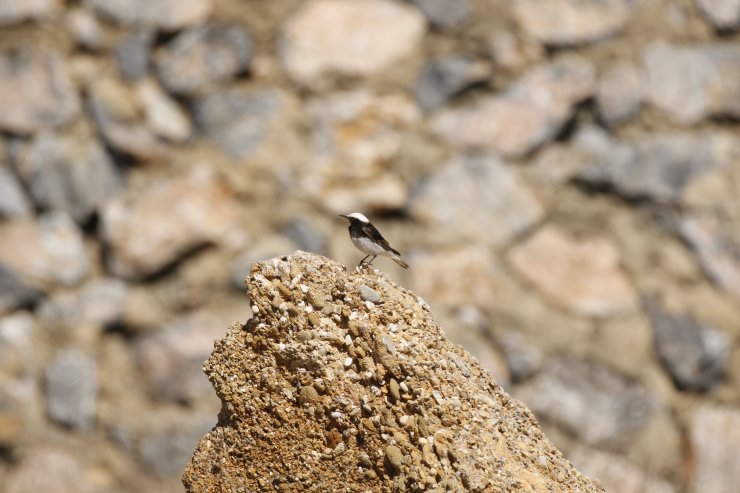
column 370, row 262
column 363, row 260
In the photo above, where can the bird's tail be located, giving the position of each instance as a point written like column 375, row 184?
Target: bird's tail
column 400, row 262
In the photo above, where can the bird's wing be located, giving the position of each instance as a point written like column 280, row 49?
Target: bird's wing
column 375, row 235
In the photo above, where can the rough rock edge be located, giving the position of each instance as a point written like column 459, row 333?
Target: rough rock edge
column 323, row 390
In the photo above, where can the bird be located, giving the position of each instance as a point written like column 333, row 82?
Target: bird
column 368, row 239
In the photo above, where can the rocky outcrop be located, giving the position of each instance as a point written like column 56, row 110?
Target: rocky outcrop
column 342, row 380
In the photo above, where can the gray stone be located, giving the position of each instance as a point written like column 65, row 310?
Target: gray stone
column 163, row 115
column 43, row 253
column 441, row 79
column 691, row 83
column 715, row 444
column 98, row 304
column 657, row 167
column 588, row 400
column 161, row 14
column 572, row 22
column 171, row 359
column 13, row 199
column 67, row 173
column 35, row 92
column 201, row 57
column 15, row 292
column 71, row 389
column 723, row 14
column 307, row 235
column 620, row 92
column 13, row 12
column 615, row 473
column 314, row 42
column 477, row 197
column 523, row 358
column 445, row 14
column 132, row 54
column 235, row 120
column 528, row 114
column 166, row 451
column 17, row 376
column 695, row 355
column 718, row 246
column 198, row 208
column 369, row 294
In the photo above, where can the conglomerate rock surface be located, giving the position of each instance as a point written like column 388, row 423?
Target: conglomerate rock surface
column 343, row 382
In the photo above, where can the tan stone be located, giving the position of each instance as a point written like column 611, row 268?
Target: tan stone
column 349, row 37
column 715, row 442
column 580, row 275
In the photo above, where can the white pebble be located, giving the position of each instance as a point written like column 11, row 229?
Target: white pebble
column 348, row 340
column 348, row 362
column 304, row 288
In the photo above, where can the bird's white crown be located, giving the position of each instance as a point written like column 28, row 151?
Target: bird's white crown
column 359, row 217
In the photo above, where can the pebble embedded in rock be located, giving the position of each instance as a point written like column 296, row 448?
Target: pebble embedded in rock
column 620, row 92
column 307, row 395
column 394, row 458
column 394, row 390
column 369, row 294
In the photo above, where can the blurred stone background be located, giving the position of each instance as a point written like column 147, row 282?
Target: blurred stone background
column 563, row 176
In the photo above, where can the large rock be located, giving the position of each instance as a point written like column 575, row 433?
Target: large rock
column 695, row 355
column 717, row 244
column 715, row 447
column 691, row 83
column 322, row 390
column 71, row 389
column 44, row 253
column 583, row 275
column 571, row 22
column 204, row 56
column 171, row 358
column 723, row 14
column 528, row 114
column 589, row 400
column 13, row 199
column 13, row 12
column 137, row 119
column 658, row 167
column 235, row 120
column 441, row 79
column 355, row 138
column 348, row 37
column 151, row 229
column 68, row 173
column 478, row 197
column 35, row 92
column 161, row 14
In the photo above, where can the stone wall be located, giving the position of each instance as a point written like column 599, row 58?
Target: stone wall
column 563, row 176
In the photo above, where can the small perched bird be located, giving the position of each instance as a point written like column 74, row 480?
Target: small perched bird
column 368, row 240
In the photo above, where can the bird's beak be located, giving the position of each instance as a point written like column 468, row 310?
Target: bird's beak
column 342, row 215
